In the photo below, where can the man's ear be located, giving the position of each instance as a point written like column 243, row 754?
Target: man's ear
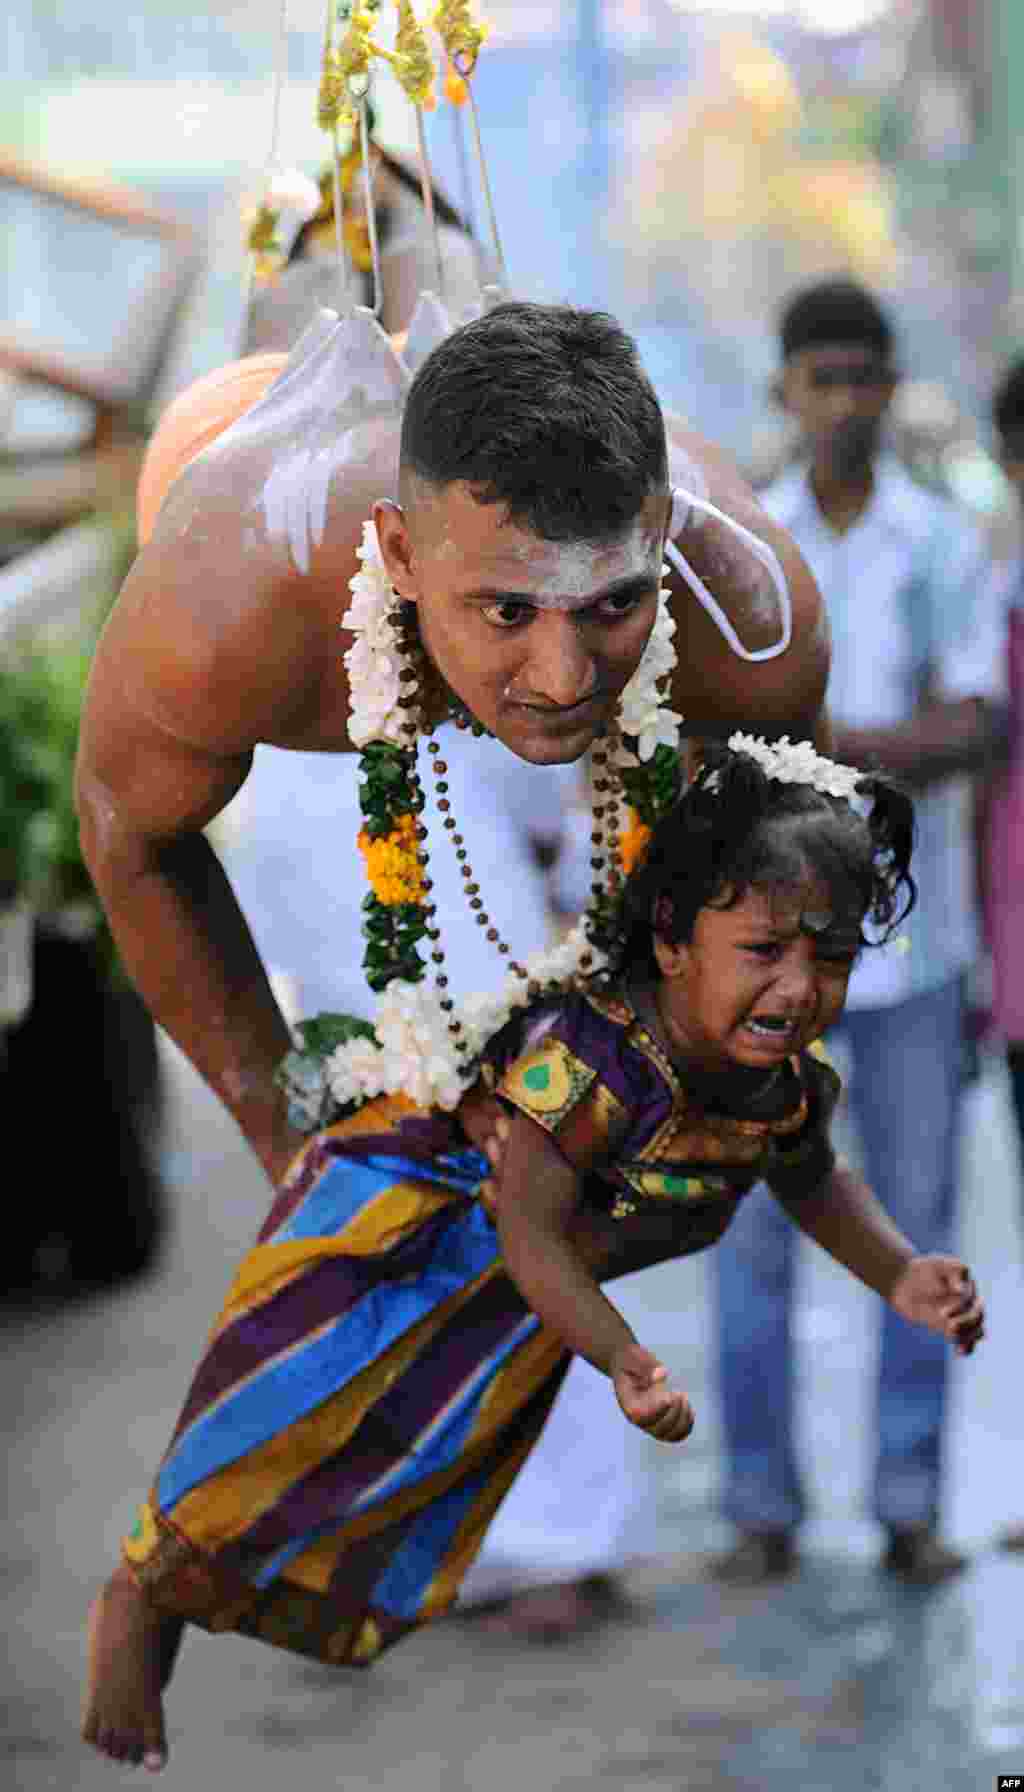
column 670, row 959
column 396, row 548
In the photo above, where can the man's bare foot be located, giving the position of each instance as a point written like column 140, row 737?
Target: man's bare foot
column 555, row 1613
column 132, row 1649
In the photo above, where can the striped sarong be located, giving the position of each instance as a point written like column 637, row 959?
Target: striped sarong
column 367, row 1396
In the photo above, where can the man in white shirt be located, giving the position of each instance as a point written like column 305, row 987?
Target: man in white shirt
column 914, row 688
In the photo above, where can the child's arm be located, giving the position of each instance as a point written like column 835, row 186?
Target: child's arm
column 850, row 1223
column 539, row 1195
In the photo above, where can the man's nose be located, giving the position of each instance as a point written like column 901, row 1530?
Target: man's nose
column 843, row 401
column 560, row 669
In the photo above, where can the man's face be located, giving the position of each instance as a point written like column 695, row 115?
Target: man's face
column 839, row 394
column 538, row 638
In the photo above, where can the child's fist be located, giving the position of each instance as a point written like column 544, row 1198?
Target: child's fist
column 939, row 1292
column 641, row 1389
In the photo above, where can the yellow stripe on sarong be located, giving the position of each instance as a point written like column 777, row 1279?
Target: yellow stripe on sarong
column 230, row 1502
column 268, row 1268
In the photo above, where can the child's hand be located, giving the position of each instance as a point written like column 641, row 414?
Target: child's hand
column 641, row 1389
column 939, row 1292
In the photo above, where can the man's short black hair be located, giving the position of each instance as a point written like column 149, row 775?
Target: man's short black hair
column 1008, row 403
column 834, row 312
column 546, row 410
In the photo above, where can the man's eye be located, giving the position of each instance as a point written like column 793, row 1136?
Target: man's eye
column 505, row 615
column 763, row 948
column 621, row 604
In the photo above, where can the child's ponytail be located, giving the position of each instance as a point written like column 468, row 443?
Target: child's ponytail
column 891, row 825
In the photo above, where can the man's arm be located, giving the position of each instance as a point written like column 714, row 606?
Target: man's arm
column 181, row 690
column 960, row 723
column 939, row 741
column 715, row 690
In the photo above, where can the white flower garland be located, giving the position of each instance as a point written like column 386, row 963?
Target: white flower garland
column 796, row 762
column 373, row 661
column 414, row 1053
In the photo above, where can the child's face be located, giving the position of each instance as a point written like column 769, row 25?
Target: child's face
column 759, row 980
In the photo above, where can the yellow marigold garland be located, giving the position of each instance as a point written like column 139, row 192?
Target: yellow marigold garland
column 632, row 841
column 392, row 863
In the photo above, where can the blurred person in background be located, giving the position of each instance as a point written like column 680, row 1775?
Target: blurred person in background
column 915, row 688
column 1001, row 804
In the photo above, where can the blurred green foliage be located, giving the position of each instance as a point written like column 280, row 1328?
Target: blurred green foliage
column 41, row 692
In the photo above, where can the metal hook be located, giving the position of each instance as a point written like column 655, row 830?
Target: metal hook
column 371, row 216
column 464, row 65
column 427, row 190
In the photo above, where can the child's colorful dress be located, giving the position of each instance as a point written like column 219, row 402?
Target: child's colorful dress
column 375, row 1380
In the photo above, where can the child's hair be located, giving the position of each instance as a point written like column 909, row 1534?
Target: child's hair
column 735, row 828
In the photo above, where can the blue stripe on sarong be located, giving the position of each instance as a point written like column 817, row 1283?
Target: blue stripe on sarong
column 442, row 1441
column 445, row 1437
column 350, row 1182
column 338, row 1195
column 312, row 1370
column 404, row 1582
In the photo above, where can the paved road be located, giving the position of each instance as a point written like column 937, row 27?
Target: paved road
column 832, row 1681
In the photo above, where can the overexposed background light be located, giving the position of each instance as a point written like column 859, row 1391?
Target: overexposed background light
column 832, row 18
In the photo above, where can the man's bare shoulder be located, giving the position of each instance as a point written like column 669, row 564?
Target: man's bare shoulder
column 219, row 636
column 715, row 689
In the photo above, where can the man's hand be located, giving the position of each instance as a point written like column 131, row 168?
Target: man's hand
column 279, row 1153
column 641, row 1389
column 494, row 1150
column 939, row 1292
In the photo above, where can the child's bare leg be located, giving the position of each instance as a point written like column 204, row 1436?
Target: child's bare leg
column 132, row 1649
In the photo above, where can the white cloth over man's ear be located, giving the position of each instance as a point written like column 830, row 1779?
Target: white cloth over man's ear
column 684, row 505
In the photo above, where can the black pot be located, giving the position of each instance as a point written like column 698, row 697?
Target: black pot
column 79, row 1091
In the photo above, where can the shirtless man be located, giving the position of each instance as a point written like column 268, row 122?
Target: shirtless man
column 219, row 642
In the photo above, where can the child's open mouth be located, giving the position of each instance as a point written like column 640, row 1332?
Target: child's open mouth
column 774, row 1027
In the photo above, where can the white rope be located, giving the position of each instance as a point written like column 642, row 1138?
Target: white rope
column 762, row 552
column 427, row 190
column 277, row 87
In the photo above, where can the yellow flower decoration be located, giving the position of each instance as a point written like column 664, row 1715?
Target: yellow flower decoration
column 412, row 61
column 333, row 103
column 392, row 863
column 461, row 34
column 633, row 842
column 356, row 46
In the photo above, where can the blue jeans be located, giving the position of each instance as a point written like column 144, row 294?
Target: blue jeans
column 905, row 1095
